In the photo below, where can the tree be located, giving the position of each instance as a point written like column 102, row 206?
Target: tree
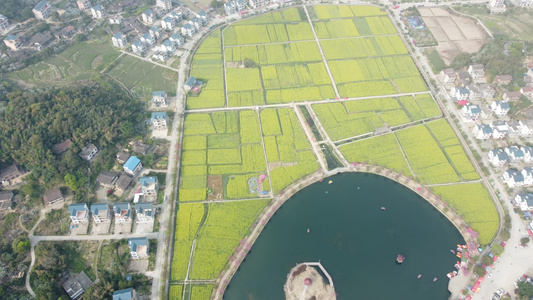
column 479, row 271
column 525, row 289
column 497, row 249
column 127, row 129
column 71, row 182
column 487, row 260
column 21, row 245
column 524, row 240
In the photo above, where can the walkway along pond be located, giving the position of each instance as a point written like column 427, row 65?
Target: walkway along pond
column 247, row 242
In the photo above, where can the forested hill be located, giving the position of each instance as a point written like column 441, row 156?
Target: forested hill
column 33, row 122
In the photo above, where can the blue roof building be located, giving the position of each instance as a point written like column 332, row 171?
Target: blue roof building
column 78, row 213
column 127, row 294
column 132, row 165
column 139, row 247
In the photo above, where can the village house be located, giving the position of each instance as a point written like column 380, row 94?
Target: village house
column 140, row 148
column 149, row 186
column 88, row 152
column 486, row 112
column 116, row 19
column 123, row 156
column 511, row 96
column 40, row 40
column 159, row 120
column 6, row 199
column 133, row 165
column 515, row 153
column 122, row 212
column 101, row 212
column 528, row 153
column 462, row 78
column 520, row 128
column 165, row 5
column 234, row 6
column 42, row 10
column 260, row 3
column 159, row 99
column 61, row 147
column 188, row 30
column 123, row 183
column 155, row 32
column 53, row 196
column 127, row 294
column 177, row 39
column 514, row 128
column 148, row 40
column 471, row 112
column 527, row 90
column 79, row 213
column 4, row 23
column 196, row 23
column 513, row 178
column 528, row 176
column 498, row 157
column 98, row 11
column 482, row 131
column 139, row 248
column 177, row 16
column 477, row 72
column 168, row 46
column 13, row 42
column 500, row 108
column 189, row 84
column 460, row 93
column 499, row 129
column 119, row 40
column 160, row 55
column 83, row 4
column 138, row 47
column 148, row 16
column 502, row 79
column 497, row 6
column 76, row 286
column 524, row 201
column 487, row 91
column 523, row 3
column 107, row 179
column 168, row 23
column 202, row 16
column 66, row 33
column 475, row 93
column 144, row 212
column 12, row 175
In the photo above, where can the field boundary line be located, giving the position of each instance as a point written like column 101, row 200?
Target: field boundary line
column 404, row 156
column 271, row 193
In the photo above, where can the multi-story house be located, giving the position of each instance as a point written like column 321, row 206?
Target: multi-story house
column 4, row 23
column 122, row 212
column 500, row 108
column 101, row 212
column 79, row 213
column 133, row 166
column 98, row 11
column 139, row 248
column 119, row 40
column 42, row 10
column 144, row 212
column 13, row 42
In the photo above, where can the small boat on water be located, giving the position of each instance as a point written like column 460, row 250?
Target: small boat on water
column 330, row 182
column 434, row 279
column 383, row 208
column 452, row 251
column 452, row 274
column 308, row 230
column 419, row 275
column 400, row 258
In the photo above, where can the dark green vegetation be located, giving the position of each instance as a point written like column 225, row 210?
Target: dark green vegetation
column 17, row 10
column 356, row 242
column 436, row 62
column 33, row 122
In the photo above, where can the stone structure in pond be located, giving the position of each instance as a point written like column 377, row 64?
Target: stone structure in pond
column 305, row 282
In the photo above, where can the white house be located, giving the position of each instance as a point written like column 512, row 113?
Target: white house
column 202, row 16
column 160, row 55
column 528, row 176
column 168, row 46
column 460, row 93
column 79, row 213
column 98, row 11
column 159, row 120
column 511, row 96
column 83, row 4
column 177, row 39
column 528, row 153
column 234, row 6
column 42, row 10
column 122, row 212
column 524, row 201
column 487, row 91
column 164, row 4
column 148, row 39
column 188, row 30
column 168, row 23
column 177, row 16
column 498, row 157
column 520, row 128
column 139, row 248
column 155, row 32
column 499, row 129
column 100, row 212
column 500, row 108
column 515, row 153
column 476, row 71
column 119, row 40
column 88, row 152
column 196, row 23
column 133, row 165
column 148, row 16
column 116, row 19
column 471, row 112
column 475, row 93
column 4, row 23
column 159, row 98
column 138, row 47
column 514, row 128
column 513, row 178
column 482, row 131
column 144, row 212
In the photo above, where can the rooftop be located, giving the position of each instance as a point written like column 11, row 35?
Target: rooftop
column 132, row 163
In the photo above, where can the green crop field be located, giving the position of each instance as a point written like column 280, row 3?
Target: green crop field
column 187, row 223
column 174, row 292
column 473, row 203
column 201, row 292
column 225, row 225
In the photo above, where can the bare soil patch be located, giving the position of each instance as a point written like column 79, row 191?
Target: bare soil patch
column 214, row 182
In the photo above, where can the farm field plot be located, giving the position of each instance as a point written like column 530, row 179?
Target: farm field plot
column 142, row 77
column 473, row 202
column 187, row 223
column 207, row 67
column 425, row 156
column 363, row 47
column 382, row 150
column 201, row 292
column 77, row 62
column 342, row 11
column 223, row 145
column 372, row 69
column 419, row 108
column 275, row 53
column 289, row 153
column 226, row 224
column 174, row 292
